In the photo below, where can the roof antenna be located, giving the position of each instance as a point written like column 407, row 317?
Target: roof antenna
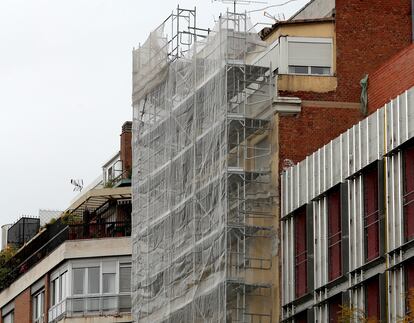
column 78, row 183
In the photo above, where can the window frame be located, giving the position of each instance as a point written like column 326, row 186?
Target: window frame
column 312, row 40
column 35, row 316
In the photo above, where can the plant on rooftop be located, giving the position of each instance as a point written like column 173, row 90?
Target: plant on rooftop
column 109, row 184
column 69, row 218
column 5, row 256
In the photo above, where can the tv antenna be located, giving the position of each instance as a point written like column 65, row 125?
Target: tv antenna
column 236, row 2
column 78, row 183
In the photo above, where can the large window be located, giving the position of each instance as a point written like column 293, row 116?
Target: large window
column 38, row 306
column 408, row 198
column 334, row 234
column 309, row 56
column 371, row 213
column 301, row 253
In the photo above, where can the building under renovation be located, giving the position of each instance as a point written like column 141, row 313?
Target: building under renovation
column 203, row 198
column 218, row 114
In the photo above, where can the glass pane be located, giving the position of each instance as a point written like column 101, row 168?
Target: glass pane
column 78, row 280
column 293, row 69
column 64, row 292
column 108, row 283
column 9, row 318
column 320, row 70
column 125, row 279
column 55, row 291
column 93, row 280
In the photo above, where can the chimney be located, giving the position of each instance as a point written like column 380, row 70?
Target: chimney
column 126, row 149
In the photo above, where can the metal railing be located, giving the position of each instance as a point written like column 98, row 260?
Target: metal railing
column 85, row 305
column 99, row 230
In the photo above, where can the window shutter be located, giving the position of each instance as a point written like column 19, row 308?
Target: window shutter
column 409, row 193
column 371, row 213
column 334, row 234
column 372, row 298
column 125, row 279
column 310, row 240
column 300, row 252
column 310, row 53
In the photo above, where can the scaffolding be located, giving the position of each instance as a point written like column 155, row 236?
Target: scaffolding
column 203, row 198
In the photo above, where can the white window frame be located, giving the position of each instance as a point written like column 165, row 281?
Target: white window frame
column 284, row 58
column 38, row 318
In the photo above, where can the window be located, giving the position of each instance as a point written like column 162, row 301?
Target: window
column 320, row 70
column 108, row 283
column 108, row 277
column 38, row 301
column 334, row 234
column 309, row 56
column 408, row 198
column 293, row 69
column 9, row 318
column 312, row 70
column 94, row 280
column 301, row 253
column 371, row 213
column 372, row 299
column 78, row 281
column 59, row 290
column 125, row 278
column 335, row 309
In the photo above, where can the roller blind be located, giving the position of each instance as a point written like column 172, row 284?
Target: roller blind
column 125, row 279
column 310, row 53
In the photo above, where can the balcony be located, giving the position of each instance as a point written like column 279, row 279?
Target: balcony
column 55, row 235
column 97, row 305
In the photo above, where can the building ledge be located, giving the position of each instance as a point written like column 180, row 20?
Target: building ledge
column 287, row 105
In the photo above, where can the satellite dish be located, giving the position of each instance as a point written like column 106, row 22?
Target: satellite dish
column 78, row 183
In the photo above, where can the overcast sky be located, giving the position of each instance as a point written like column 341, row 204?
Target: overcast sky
column 65, row 89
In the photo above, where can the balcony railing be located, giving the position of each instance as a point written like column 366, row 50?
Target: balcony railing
column 99, row 230
column 98, row 305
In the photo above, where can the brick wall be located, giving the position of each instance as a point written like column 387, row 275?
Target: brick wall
column 301, row 135
column 22, row 307
column 126, row 146
column 368, row 33
column 391, row 79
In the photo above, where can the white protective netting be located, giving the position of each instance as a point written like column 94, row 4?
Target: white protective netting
column 191, row 206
